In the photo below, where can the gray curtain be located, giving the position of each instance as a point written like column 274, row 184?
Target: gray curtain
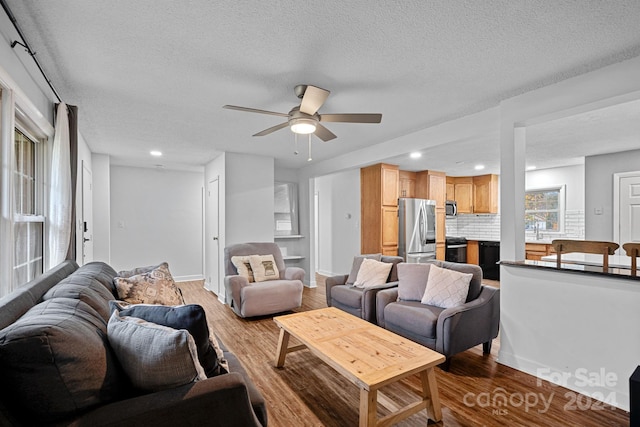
column 73, row 142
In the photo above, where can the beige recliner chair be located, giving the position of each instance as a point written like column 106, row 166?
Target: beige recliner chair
column 249, row 299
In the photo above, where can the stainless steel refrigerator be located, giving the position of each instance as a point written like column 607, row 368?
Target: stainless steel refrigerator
column 417, row 229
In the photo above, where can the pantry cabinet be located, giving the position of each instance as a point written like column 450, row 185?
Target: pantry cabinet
column 379, row 186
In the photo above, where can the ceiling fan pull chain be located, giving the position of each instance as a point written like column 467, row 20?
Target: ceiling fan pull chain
column 295, row 151
column 309, row 159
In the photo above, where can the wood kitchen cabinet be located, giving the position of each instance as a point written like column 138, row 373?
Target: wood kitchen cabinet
column 407, row 184
column 460, row 189
column 379, row 186
column 432, row 185
column 485, row 194
column 535, row 251
column 473, row 252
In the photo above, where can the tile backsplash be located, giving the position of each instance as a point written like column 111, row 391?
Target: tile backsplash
column 487, row 227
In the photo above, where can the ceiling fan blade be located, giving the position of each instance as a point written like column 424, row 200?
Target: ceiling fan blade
column 323, row 133
column 351, row 118
column 272, row 129
column 313, row 99
column 254, row 110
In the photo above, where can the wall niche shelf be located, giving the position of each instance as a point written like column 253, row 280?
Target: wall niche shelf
column 290, row 246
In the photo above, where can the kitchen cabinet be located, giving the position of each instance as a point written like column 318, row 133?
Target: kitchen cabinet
column 460, row 189
column 379, row 186
column 432, row 185
column 473, row 252
column 407, row 184
column 485, row 194
column 535, row 251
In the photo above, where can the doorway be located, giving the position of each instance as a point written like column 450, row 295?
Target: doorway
column 212, row 246
column 626, row 207
column 87, row 214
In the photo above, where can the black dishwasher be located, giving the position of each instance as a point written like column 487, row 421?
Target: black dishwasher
column 489, row 258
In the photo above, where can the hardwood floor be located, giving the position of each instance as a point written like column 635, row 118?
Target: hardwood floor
column 477, row 391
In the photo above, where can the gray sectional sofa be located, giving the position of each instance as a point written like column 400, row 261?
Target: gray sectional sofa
column 57, row 367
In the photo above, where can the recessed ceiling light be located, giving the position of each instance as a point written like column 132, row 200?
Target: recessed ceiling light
column 478, row 167
column 415, row 155
column 530, row 168
column 156, row 153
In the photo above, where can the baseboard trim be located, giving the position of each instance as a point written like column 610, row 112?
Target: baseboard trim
column 189, row 278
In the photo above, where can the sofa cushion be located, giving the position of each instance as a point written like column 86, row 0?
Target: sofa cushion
column 355, row 267
column 243, row 265
column 57, row 362
column 372, row 273
column 191, row 317
column 100, row 271
column 151, row 287
column 446, row 288
column 412, row 316
column 412, row 281
column 86, row 289
column 154, row 357
column 264, row 268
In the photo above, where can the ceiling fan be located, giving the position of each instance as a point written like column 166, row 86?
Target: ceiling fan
column 304, row 119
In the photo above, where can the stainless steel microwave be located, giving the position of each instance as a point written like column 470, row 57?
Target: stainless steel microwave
column 451, row 208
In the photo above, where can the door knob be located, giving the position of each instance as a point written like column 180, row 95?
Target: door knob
column 84, row 239
column 215, row 238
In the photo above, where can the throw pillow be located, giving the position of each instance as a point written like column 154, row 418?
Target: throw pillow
column 152, row 287
column 264, row 268
column 372, row 273
column 446, row 288
column 412, row 281
column 191, row 317
column 243, row 266
column 355, row 267
column 141, row 270
column 154, row 357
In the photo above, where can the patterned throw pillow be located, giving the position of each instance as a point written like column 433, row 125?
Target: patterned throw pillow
column 141, row 270
column 154, row 357
column 243, row 266
column 446, row 288
column 264, row 268
column 372, row 273
column 357, row 262
column 152, row 287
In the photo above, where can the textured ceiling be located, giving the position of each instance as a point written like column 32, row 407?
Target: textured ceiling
column 152, row 74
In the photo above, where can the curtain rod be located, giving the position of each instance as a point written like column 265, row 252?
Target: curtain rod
column 26, row 46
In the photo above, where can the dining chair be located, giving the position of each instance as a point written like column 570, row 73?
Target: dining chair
column 585, row 246
column 633, row 251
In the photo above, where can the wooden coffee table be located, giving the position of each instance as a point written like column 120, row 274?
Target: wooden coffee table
column 367, row 355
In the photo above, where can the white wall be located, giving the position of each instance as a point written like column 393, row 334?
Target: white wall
column 339, row 221
column 570, row 176
column 156, row 215
column 246, row 194
column 567, row 325
column 599, row 172
column 249, row 190
column 101, row 169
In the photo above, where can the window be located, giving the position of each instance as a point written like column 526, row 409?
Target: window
column 28, row 226
column 544, row 210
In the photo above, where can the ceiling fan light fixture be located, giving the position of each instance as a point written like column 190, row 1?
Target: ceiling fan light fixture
column 302, row 126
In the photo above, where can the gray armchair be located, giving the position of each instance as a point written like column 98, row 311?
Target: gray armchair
column 249, row 299
column 447, row 331
column 341, row 293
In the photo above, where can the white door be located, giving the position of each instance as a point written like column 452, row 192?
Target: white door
column 212, row 247
column 87, row 215
column 629, row 208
